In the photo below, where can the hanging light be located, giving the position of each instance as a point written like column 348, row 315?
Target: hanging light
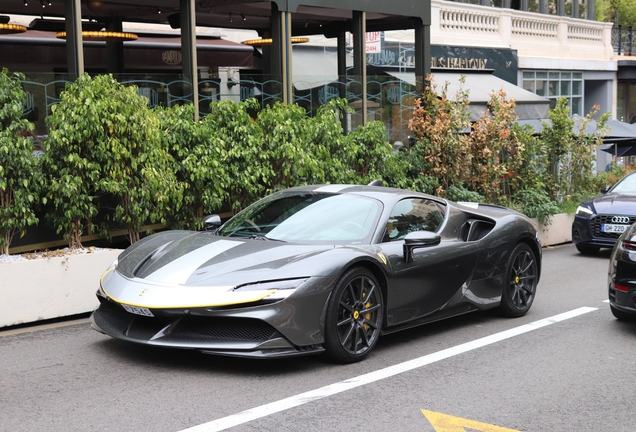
column 102, row 36
column 6, row 28
column 269, row 41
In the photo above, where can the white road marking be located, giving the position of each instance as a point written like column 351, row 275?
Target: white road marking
column 339, row 387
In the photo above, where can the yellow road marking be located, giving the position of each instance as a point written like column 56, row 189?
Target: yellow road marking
column 446, row 423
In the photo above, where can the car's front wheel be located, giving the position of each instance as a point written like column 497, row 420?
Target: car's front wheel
column 521, row 281
column 354, row 316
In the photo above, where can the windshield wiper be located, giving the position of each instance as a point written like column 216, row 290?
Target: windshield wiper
column 264, row 238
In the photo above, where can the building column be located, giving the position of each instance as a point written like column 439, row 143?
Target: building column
column 74, row 47
column 114, row 50
column 590, row 12
column 575, row 8
column 543, row 6
column 189, row 50
column 286, row 51
column 360, row 56
column 422, row 53
column 342, row 73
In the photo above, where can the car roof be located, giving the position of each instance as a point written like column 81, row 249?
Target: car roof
column 381, row 193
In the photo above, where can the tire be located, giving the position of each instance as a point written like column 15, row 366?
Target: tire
column 622, row 316
column 587, row 249
column 354, row 316
column 521, row 282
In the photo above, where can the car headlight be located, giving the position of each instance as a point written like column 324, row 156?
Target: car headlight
column 283, row 288
column 583, row 211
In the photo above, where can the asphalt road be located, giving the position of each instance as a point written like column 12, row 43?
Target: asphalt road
column 544, row 372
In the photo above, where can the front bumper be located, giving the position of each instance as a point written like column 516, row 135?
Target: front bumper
column 288, row 327
column 587, row 231
column 222, row 335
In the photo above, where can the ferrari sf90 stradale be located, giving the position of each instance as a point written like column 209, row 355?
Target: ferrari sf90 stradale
column 327, row 268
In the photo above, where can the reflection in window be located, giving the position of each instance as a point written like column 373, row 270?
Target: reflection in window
column 413, row 214
column 554, row 85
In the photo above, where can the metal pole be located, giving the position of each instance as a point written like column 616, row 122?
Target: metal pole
column 360, row 56
column 74, row 47
column 189, row 49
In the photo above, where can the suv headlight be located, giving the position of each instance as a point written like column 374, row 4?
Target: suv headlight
column 583, row 211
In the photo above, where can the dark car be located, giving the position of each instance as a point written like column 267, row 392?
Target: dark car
column 598, row 222
column 320, row 269
column 622, row 276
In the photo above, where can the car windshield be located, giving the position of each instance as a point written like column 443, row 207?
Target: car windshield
column 307, row 217
column 627, row 185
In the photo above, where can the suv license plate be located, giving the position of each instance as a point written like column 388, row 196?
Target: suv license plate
column 138, row 310
column 613, row 228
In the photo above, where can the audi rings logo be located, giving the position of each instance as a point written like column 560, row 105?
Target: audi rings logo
column 620, row 219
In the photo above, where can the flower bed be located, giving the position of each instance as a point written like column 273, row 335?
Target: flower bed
column 51, row 286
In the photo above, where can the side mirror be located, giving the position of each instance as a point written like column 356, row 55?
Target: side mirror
column 419, row 239
column 605, row 189
column 212, row 222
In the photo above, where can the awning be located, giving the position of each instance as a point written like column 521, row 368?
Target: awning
column 480, row 86
column 41, row 51
column 616, row 131
column 314, row 67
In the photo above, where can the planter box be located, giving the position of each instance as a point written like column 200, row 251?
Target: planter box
column 559, row 231
column 46, row 288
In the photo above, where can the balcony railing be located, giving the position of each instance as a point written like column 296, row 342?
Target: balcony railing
column 623, row 40
column 389, row 99
column 531, row 34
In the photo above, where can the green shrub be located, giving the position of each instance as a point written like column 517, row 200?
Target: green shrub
column 19, row 169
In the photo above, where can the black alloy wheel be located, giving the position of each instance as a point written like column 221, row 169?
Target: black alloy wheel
column 354, row 316
column 521, row 282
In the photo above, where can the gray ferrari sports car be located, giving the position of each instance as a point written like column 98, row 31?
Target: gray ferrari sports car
column 314, row 269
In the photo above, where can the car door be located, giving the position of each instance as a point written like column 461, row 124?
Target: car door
column 435, row 274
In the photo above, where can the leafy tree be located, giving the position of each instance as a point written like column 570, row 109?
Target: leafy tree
column 495, row 150
column 331, row 152
column 438, row 123
column 104, row 140
column 240, row 143
column 19, row 168
column 197, row 164
column 285, row 155
column 570, row 154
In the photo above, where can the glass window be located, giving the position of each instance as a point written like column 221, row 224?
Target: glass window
column 553, row 85
column 576, row 105
column 528, row 75
column 528, row 85
column 541, row 87
column 308, row 217
column 566, row 88
column 413, row 214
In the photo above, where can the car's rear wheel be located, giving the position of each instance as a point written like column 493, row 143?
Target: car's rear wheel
column 520, row 286
column 587, row 249
column 622, row 316
column 354, row 316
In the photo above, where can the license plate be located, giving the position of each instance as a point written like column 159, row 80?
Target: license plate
column 613, row 228
column 138, row 310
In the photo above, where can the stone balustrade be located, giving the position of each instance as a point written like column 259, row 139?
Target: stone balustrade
column 531, row 34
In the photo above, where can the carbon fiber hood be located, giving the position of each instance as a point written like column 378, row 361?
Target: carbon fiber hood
column 200, row 258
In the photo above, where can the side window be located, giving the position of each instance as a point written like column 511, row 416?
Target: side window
column 413, row 214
